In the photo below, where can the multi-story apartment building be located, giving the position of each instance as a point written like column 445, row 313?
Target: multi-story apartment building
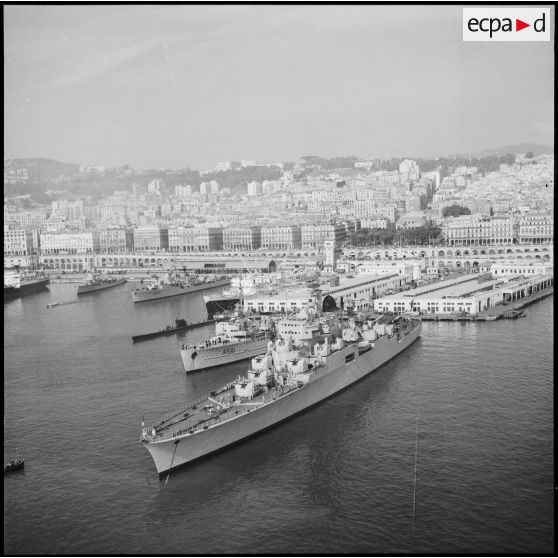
column 255, row 188
column 20, row 242
column 412, row 203
column 199, row 238
column 70, row 209
column 409, row 170
column 476, row 230
column 183, row 191
column 183, row 239
column 69, row 242
column 116, row 240
column 155, row 186
column 242, row 237
column 536, row 228
column 282, row 237
column 28, row 218
column 151, row 238
column 223, row 166
column 314, row 235
column 210, row 238
column 374, row 223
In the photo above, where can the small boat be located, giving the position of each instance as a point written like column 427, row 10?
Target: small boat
column 180, row 325
column 513, row 314
column 52, row 304
column 14, row 465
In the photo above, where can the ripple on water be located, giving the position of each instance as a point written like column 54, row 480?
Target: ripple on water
column 337, row 479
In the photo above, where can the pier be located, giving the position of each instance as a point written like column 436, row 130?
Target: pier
column 494, row 312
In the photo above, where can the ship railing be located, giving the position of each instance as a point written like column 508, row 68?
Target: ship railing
column 230, row 413
column 181, row 409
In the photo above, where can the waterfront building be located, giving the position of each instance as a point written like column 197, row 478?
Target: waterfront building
column 242, row 237
column 536, row 228
column 477, row 230
column 470, row 294
column 358, row 291
column 20, row 242
column 406, row 268
column 314, row 235
column 183, row 239
column 116, row 240
column 69, row 242
column 281, row 237
column 151, row 238
column 210, row 238
column 521, row 267
column 285, row 300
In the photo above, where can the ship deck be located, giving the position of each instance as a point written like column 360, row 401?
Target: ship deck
column 212, row 410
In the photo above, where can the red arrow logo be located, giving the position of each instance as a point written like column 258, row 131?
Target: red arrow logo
column 519, row 25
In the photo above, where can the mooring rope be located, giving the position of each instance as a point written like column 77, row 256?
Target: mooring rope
column 172, row 460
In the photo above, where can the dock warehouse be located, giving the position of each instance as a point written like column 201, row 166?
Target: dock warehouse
column 359, row 290
column 464, row 294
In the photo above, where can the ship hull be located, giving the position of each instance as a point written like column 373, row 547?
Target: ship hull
column 222, row 354
column 26, row 288
column 172, row 453
column 146, row 336
column 86, row 289
column 220, row 305
column 168, row 291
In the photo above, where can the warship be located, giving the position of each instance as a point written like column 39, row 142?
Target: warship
column 287, row 379
column 17, row 285
column 175, row 286
column 97, row 283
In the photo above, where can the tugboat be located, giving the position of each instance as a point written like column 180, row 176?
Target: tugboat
column 14, row 465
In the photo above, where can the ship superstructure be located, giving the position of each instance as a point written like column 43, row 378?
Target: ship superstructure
column 238, row 338
column 18, row 284
column 285, row 380
column 175, row 285
column 99, row 283
column 240, row 287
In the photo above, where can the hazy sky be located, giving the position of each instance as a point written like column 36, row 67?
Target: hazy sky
column 177, row 86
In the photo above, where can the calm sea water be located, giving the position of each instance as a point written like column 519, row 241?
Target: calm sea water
column 339, row 478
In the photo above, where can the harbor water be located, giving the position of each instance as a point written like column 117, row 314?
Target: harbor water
column 448, row 448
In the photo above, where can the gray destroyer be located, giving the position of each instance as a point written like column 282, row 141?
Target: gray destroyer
column 236, row 339
column 284, row 381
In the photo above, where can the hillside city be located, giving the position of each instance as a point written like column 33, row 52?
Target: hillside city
column 289, row 212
